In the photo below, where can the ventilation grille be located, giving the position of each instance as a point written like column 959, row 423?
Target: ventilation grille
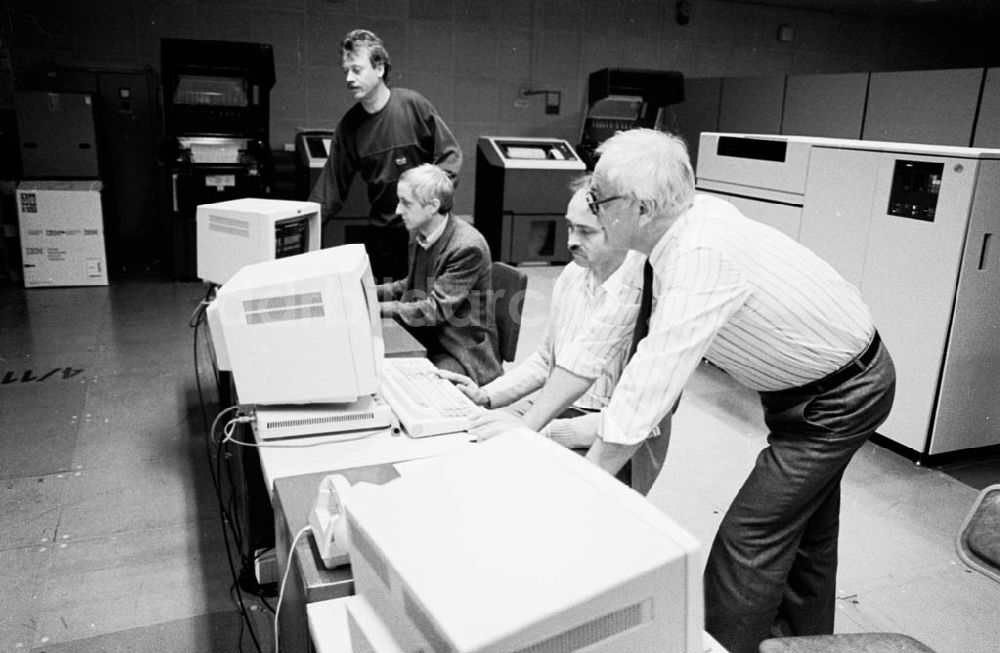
column 282, row 301
column 319, row 421
column 426, row 627
column 283, row 308
column 359, row 539
column 595, row 630
column 229, row 226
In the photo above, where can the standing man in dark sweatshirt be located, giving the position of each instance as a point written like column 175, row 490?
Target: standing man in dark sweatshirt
column 386, row 133
column 444, row 300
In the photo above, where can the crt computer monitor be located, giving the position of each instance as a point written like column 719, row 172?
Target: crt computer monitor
column 304, row 329
column 518, row 544
column 248, row 230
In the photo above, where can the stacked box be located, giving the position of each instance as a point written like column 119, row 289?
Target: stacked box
column 62, row 233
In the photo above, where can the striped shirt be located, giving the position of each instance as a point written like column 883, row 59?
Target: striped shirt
column 578, row 298
column 747, row 298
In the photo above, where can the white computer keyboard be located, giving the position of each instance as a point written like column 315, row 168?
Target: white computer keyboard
column 425, row 403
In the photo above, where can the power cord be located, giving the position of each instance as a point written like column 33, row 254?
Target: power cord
column 284, row 580
column 225, row 538
column 227, row 522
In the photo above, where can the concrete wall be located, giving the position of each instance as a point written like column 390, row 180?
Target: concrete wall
column 471, row 57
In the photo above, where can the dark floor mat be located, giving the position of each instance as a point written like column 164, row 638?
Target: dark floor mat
column 40, row 416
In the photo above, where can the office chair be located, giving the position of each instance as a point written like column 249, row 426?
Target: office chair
column 509, row 285
column 978, row 541
column 845, row 643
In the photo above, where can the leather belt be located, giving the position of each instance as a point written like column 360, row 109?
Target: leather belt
column 847, row 372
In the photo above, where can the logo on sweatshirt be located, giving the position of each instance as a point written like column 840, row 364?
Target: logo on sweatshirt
column 401, row 161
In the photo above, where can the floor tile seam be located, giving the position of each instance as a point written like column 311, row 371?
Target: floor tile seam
column 56, row 475
column 882, row 582
column 39, row 647
column 920, row 524
column 92, row 537
column 38, row 546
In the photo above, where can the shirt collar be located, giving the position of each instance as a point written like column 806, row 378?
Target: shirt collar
column 429, row 241
column 624, row 275
column 672, row 234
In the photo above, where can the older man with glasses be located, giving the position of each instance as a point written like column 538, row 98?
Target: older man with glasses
column 781, row 321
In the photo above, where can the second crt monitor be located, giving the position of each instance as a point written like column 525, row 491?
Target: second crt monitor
column 250, row 230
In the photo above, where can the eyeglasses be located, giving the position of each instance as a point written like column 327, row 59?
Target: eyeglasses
column 594, row 204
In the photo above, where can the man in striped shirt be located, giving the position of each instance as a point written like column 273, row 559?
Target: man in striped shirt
column 780, row 320
column 601, row 286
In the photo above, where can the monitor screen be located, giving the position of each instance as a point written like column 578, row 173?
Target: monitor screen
column 317, row 147
column 525, row 152
column 302, row 329
column 291, row 236
column 208, row 90
column 915, row 189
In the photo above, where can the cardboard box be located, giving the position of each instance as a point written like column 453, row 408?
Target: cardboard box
column 62, row 233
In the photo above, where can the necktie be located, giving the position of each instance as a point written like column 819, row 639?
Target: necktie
column 645, row 308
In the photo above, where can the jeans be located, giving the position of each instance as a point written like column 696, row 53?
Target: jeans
column 772, row 568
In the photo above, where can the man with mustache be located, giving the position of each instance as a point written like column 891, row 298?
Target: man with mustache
column 386, row 133
column 602, row 285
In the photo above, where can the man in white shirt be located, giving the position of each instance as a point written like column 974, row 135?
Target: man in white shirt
column 600, row 287
column 780, row 320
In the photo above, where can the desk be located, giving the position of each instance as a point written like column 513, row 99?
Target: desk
column 308, row 580
column 326, row 454
column 400, row 343
column 289, row 476
column 329, row 632
column 254, row 470
column 292, row 497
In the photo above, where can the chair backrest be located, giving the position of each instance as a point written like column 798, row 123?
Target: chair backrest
column 509, row 285
column 978, row 540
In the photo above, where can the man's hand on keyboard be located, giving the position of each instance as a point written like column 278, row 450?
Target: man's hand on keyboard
column 467, row 386
column 491, row 423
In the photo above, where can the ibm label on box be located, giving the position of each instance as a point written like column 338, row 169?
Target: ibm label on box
column 29, row 202
column 62, row 234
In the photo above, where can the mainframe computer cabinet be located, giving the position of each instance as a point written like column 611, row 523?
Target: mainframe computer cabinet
column 915, row 229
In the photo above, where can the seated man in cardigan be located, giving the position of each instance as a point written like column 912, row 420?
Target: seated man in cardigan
column 444, row 299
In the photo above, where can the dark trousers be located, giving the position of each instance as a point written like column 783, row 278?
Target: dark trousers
column 772, row 568
column 388, row 251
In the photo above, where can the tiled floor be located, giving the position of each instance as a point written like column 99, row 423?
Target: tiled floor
column 111, row 539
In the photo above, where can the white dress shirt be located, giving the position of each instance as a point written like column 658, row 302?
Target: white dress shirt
column 578, row 298
column 742, row 295
column 432, row 238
